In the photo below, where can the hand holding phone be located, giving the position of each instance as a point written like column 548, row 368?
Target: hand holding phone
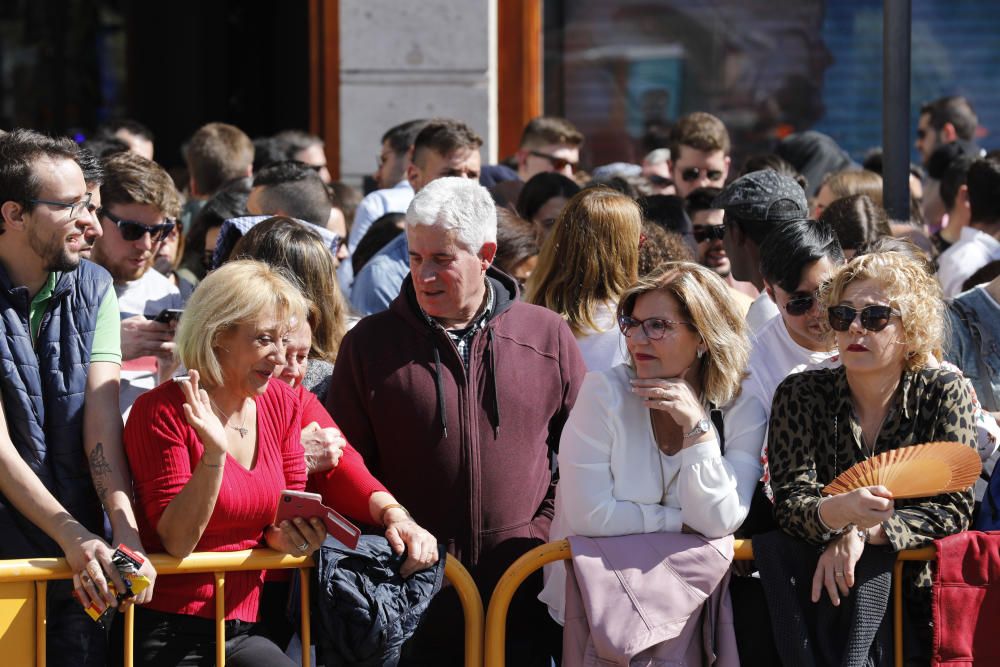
column 168, row 315
column 293, row 504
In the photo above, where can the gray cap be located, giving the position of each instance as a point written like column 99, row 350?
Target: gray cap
column 765, row 196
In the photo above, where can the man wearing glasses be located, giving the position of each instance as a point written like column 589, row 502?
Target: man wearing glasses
column 61, row 455
column 139, row 204
column 699, row 152
column 548, row 143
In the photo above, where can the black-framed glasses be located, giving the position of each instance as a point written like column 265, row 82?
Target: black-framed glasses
column 800, row 305
column 76, row 208
column 873, row 318
column 694, row 173
column 133, row 231
column 557, row 163
column 708, row 232
column 655, row 328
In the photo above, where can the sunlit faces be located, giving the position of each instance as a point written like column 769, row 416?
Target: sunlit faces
column 251, row 353
column 863, row 351
column 296, row 355
column 430, row 165
column 53, row 232
column 708, row 168
column 315, row 157
column 674, row 354
column 559, row 158
column 447, row 278
column 127, row 260
column 391, row 168
column 711, row 252
column 811, row 329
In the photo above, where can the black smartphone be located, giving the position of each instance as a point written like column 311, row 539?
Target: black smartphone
column 167, row 315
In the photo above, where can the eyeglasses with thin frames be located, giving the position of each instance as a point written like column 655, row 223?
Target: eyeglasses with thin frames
column 655, row 328
column 133, row 231
column 76, row 208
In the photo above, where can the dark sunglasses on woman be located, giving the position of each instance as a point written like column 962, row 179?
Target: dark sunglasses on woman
column 873, row 318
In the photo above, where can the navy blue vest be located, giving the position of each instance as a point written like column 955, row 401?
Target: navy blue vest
column 43, row 394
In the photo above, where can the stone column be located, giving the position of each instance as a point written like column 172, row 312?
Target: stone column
column 406, row 59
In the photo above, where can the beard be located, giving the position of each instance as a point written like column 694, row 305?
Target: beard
column 53, row 252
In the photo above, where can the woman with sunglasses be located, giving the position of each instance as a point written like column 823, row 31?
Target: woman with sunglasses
column 639, row 453
column 589, row 260
column 887, row 313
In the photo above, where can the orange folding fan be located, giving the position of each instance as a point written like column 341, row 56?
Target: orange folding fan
column 917, row 471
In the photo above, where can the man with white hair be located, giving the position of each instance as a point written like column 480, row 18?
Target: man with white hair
column 456, row 396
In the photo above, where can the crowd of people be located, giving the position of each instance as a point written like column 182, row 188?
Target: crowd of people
column 475, row 359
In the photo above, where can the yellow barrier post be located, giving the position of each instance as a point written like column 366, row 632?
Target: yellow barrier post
column 220, row 619
column 472, row 609
column 129, row 630
column 305, row 635
column 41, row 589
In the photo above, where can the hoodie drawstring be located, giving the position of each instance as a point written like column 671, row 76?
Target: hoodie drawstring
column 439, row 384
column 493, row 376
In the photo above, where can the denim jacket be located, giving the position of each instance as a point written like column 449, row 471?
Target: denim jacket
column 975, row 343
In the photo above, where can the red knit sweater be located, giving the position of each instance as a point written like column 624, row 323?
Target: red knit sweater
column 163, row 450
column 347, row 487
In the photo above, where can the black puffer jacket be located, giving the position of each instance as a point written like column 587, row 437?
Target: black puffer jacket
column 364, row 610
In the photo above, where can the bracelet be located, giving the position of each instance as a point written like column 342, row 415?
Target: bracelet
column 220, row 464
column 392, row 506
column 863, row 534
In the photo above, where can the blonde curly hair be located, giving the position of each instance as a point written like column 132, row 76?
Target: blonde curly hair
column 911, row 290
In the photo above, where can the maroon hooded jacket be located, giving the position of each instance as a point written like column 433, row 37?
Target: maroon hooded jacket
column 467, row 453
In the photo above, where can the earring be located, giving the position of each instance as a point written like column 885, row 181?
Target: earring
column 700, row 353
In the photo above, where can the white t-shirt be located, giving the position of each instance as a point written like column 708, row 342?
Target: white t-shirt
column 762, row 310
column 973, row 250
column 604, row 347
column 614, row 480
column 773, row 357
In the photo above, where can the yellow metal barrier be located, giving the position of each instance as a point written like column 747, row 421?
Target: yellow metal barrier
column 23, row 585
column 523, row 567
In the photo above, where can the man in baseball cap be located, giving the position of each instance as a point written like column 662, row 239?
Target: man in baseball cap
column 755, row 205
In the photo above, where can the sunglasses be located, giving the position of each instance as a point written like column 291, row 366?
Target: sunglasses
column 133, row 231
column 800, row 305
column 557, row 163
column 708, row 232
column 694, row 173
column 655, row 328
column 873, row 318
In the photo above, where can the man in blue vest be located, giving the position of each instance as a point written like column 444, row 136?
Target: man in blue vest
column 61, row 456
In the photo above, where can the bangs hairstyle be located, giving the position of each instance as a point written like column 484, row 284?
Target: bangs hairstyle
column 911, row 290
column 705, row 302
column 590, row 258
column 239, row 292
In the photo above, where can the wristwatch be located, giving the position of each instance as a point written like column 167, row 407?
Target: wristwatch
column 703, row 426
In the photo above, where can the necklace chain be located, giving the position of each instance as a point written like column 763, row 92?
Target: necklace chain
column 242, row 428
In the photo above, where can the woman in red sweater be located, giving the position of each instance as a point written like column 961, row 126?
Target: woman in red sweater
column 209, row 458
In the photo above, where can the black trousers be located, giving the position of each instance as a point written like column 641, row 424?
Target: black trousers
column 189, row 641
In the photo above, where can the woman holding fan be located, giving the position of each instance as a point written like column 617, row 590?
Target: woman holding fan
column 887, row 314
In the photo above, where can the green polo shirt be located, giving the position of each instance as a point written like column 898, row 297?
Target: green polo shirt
column 107, row 345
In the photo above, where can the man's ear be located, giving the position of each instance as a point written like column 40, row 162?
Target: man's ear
column 948, row 133
column 487, row 254
column 413, row 176
column 12, row 214
column 770, row 291
column 729, row 161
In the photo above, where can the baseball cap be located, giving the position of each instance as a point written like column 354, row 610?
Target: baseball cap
column 764, row 196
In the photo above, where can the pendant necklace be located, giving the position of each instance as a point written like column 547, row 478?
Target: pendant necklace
column 242, row 428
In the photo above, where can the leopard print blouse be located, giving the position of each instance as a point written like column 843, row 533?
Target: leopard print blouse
column 814, row 435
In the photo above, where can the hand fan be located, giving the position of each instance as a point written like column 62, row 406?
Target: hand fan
column 916, row 471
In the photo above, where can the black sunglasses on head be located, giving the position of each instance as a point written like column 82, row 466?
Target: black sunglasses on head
column 873, row 318
column 708, row 232
column 694, row 173
column 133, row 231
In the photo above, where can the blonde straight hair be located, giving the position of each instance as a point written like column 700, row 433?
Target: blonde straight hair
column 590, row 258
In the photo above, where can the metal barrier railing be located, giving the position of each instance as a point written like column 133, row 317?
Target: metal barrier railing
column 42, row 570
column 496, row 614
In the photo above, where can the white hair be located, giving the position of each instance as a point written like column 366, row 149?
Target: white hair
column 657, row 156
column 458, row 205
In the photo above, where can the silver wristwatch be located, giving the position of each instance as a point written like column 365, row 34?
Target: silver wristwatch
column 703, row 426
